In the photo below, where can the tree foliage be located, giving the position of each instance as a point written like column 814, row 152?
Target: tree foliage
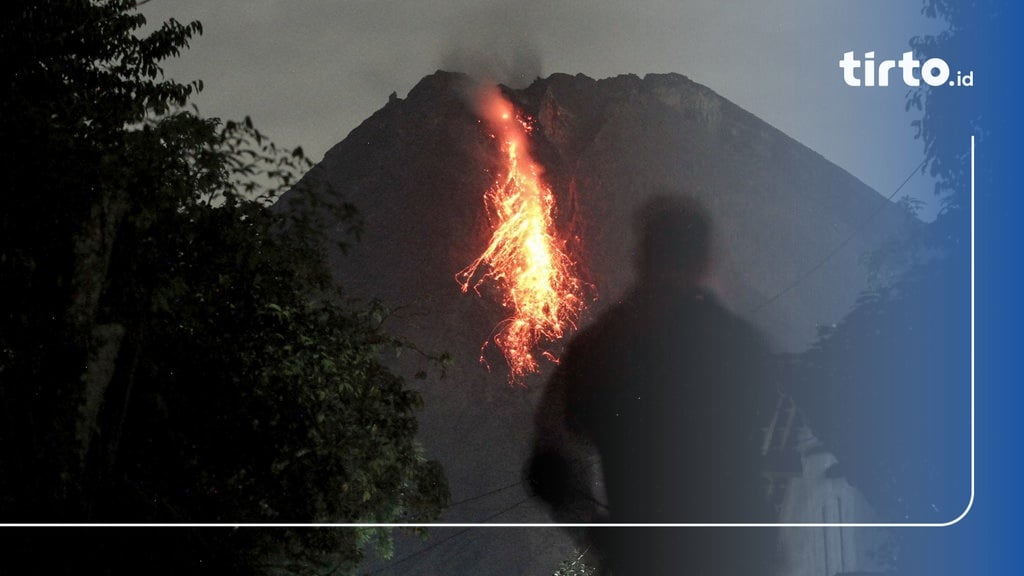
column 575, row 567
column 951, row 116
column 172, row 347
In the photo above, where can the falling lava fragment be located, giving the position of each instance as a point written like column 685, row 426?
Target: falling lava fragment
column 524, row 258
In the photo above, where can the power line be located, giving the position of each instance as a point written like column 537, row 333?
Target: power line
column 485, row 494
column 841, row 245
column 440, row 542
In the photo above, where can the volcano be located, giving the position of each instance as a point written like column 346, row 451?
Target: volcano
column 790, row 233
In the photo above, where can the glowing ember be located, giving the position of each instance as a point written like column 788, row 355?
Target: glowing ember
column 524, row 258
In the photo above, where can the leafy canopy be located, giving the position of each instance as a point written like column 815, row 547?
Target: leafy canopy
column 150, row 276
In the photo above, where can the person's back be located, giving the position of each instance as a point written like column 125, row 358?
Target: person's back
column 672, row 390
column 672, row 399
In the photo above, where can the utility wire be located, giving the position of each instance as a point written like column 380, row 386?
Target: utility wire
column 485, row 494
column 440, row 542
column 840, row 246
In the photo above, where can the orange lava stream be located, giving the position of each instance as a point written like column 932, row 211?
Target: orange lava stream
column 524, row 259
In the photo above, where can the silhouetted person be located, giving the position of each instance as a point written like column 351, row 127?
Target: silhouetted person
column 671, row 391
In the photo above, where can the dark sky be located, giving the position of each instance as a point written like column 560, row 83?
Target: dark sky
column 309, row 71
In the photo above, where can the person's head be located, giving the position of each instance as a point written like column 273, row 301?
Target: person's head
column 675, row 240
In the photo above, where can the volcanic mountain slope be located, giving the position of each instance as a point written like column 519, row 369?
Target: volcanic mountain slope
column 790, row 230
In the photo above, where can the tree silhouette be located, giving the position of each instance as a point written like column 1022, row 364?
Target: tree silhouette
column 172, row 348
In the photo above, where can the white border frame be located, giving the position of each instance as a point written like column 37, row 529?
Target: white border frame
column 970, row 503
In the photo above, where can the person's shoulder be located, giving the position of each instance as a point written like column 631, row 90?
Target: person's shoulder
column 592, row 346
column 616, row 316
column 737, row 327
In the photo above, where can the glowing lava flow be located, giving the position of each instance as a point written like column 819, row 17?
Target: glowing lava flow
column 524, row 258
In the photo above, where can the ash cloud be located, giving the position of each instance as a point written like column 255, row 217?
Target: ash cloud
column 495, row 44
